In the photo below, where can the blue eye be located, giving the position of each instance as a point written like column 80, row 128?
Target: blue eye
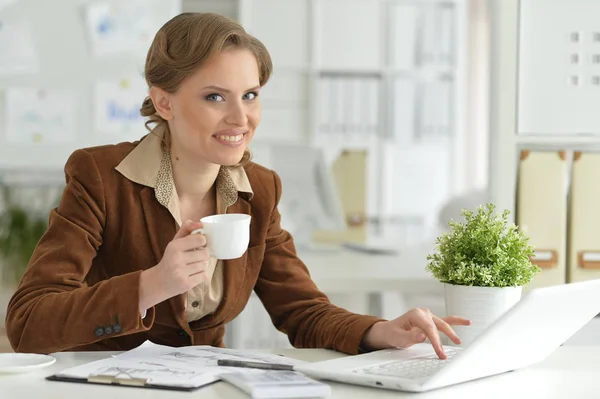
column 251, row 95
column 215, row 97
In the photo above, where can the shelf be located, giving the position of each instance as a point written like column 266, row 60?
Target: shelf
column 375, row 72
column 429, row 73
column 559, row 142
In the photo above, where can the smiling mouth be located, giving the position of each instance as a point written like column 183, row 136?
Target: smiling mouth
column 232, row 139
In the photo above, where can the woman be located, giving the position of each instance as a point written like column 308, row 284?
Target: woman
column 118, row 264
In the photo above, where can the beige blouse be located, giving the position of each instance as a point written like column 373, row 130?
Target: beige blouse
column 150, row 164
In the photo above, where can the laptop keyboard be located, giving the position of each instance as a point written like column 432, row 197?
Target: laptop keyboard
column 412, row 368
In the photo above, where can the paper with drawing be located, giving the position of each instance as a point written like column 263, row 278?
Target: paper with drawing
column 117, row 108
column 19, row 54
column 187, row 367
column 40, row 116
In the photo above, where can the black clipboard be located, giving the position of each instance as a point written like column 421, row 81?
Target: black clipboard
column 124, row 382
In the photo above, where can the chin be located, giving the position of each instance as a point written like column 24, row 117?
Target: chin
column 228, row 160
column 228, row 155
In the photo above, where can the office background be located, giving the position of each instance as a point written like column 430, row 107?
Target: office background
column 408, row 110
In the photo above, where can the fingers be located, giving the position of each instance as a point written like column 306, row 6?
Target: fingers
column 444, row 327
column 436, row 324
column 456, row 321
column 196, row 268
column 186, row 229
column 444, row 324
column 423, row 320
column 203, row 241
column 418, row 336
column 195, row 256
column 417, row 325
column 196, row 261
column 430, row 330
column 189, row 243
column 404, row 339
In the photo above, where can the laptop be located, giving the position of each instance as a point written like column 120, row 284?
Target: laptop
column 526, row 334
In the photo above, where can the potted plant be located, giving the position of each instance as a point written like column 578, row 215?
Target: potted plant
column 483, row 263
column 20, row 231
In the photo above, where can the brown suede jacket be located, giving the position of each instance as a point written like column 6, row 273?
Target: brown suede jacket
column 81, row 289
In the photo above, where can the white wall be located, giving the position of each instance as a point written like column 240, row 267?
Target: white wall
column 65, row 62
column 477, row 92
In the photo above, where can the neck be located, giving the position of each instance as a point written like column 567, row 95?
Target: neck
column 193, row 179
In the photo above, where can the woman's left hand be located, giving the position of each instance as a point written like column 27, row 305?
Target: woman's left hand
column 411, row 328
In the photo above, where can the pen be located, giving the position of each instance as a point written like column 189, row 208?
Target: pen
column 254, row 365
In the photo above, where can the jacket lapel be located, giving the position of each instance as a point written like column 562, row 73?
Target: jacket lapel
column 161, row 229
column 160, row 226
column 234, row 273
column 234, row 270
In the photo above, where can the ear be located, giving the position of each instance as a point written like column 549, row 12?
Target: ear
column 162, row 102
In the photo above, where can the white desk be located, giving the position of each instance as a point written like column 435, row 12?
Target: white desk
column 571, row 372
column 353, row 271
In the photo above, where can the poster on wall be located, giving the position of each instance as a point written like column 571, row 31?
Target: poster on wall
column 6, row 3
column 126, row 27
column 18, row 54
column 117, row 106
column 40, row 116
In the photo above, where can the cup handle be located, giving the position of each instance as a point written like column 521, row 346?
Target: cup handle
column 200, row 231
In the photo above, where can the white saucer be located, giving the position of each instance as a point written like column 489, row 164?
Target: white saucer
column 23, row 362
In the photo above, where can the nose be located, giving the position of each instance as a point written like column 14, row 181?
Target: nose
column 237, row 114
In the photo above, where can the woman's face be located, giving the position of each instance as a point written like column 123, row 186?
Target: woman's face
column 216, row 110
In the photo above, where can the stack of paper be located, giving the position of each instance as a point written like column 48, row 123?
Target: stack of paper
column 277, row 384
column 191, row 367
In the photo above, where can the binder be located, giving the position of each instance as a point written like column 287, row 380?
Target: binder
column 124, row 382
column 447, row 37
column 426, row 36
column 356, row 109
column 404, row 124
column 584, row 223
column 434, row 109
column 444, row 101
column 541, row 212
column 373, row 87
column 404, row 35
column 324, row 107
column 350, row 172
column 339, row 92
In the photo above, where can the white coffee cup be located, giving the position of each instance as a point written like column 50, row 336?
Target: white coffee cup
column 227, row 235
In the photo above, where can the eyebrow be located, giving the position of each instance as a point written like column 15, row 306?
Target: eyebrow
column 222, row 89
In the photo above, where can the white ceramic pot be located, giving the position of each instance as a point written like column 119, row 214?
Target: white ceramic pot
column 481, row 305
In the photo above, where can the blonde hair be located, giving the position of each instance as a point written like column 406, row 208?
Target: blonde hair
column 185, row 43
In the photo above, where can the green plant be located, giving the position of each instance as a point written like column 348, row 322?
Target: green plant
column 20, row 231
column 486, row 250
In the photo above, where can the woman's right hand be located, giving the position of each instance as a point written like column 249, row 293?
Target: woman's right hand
column 181, row 268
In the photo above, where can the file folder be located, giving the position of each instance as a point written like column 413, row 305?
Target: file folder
column 350, row 172
column 405, row 35
column 125, row 382
column 541, row 212
column 584, row 224
column 404, row 121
